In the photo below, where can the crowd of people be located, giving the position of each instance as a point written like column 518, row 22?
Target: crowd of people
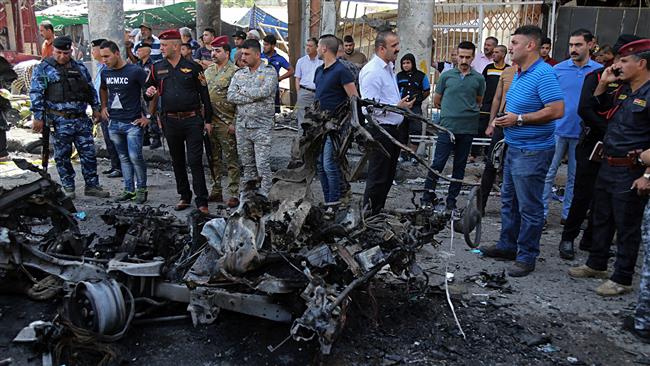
column 590, row 109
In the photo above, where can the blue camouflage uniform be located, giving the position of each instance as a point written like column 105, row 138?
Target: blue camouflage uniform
column 63, row 106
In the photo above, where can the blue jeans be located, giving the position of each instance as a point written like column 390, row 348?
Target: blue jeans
column 562, row 146
column 128, row 143
column 329, row 172
column 522, row 209
column 444, row 147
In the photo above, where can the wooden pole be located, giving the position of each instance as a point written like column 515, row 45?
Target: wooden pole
column 295, row 11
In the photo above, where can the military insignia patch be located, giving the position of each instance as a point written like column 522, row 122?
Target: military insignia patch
column 622, row 97
column 639, row 102
column 202, row 79
column 185, row 70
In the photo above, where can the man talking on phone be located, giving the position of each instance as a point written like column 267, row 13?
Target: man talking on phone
column 623, row 181
column 459, row 95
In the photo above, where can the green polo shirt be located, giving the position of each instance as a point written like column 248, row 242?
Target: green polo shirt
column 459, row 112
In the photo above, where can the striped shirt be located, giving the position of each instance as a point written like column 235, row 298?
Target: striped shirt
column 156, row 53
column 530, row 91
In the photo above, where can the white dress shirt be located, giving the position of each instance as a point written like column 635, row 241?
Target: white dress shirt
column 377, row 81
column 480, row 62
column 305, row 70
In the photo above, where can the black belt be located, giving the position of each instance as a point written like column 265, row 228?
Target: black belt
column 308, row 89
column 67, row 115
column 182, row 115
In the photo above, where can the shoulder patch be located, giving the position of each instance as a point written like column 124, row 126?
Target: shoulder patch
column 639, row 102
column 622, row 97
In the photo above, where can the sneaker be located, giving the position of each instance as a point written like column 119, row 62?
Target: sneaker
column 115, row 174
column 108, row 171
column 494, row 252
column 642, row 334
column 141, row 195
column 69, row 192
column 125, row 196
column 520, row 269
column 585, row 271
column 96, row 191
column 611, row 288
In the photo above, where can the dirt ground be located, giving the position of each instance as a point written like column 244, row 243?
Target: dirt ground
column 546, row 318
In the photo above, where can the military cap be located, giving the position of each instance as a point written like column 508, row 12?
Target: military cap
column 63, row 43
column 142, row 45
column 636, row 47
column 239, row 34
column 624, row 39
column 97, row 42
column 219, row 41
column 146, row 25
column 170, row 34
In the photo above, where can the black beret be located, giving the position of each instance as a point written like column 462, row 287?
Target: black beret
column 142, row 44
column 97, row 42
column 63, row 43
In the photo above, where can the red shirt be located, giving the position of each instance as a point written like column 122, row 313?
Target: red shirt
column 551, row 61
column 47, row 49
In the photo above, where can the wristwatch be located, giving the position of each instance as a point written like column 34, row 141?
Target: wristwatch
column 520, row 120
column 148, row 116
column 646, row 176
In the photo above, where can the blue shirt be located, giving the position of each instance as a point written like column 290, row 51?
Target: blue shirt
column 124, row 87
column 329, row 85
column 278, row 62
column 571, row 78
column 529, row 92
column 97, row 83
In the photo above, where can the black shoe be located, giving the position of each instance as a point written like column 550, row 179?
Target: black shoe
column 155, row 143
column 494, row 252
column 642, row 335
column 115, row 174
column 584, row 244
column 520, row 269
column 145, row 142
column 566, row 250
column 109, row 171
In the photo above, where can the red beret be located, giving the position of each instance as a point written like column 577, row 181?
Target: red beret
column 633, row 48
column 219, row 41
column 170, row 34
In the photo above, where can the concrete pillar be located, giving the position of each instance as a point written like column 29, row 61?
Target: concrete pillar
column 415, row 29
column 295, row 40
column 208, row 15
column 106, row 20
column 328, row 17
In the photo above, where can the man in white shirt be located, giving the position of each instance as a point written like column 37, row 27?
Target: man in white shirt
column 304, row 76
column 483, row 59
column 377, row 81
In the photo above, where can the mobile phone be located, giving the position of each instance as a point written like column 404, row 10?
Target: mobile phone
column 500, row 114
column 616, row 72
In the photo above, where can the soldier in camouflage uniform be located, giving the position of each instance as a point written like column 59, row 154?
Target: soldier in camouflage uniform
column 222, row 138
column 61, row 89
column 252, row 89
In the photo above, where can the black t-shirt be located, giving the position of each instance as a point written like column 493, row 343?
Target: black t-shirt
column 491, row 73
column 329, row 85
column 124, row 87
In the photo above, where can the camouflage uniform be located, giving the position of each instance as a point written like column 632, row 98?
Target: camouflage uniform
column 254, row 93
column 223, row 143
column 642, row 316
column 69, row 119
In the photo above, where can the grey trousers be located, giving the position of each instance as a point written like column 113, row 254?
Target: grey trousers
column 305, row 99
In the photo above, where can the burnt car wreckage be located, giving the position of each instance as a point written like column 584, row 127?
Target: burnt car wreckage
column 282, row 258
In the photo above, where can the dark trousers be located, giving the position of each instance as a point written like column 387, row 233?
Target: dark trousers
column 461, row 147
column 616, row 208
column 583, row 192
column 381, row 169
column 110, row 147
column 489, row 175
column 3, row 143
column 187, row 134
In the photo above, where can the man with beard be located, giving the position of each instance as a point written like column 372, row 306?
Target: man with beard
column 377, row 81
column 534, row 101
column 571, row 75
column 351, row 54
column 621, row 179
column 147, row 37
column 459, row 95
column 252, row 89
column 186, row 114
column 483, row 59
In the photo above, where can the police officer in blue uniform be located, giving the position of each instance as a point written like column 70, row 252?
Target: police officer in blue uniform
column 623, row 181
column 61, row 90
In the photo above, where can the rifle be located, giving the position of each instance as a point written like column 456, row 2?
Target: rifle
column 45, row 151
column 208, row 153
